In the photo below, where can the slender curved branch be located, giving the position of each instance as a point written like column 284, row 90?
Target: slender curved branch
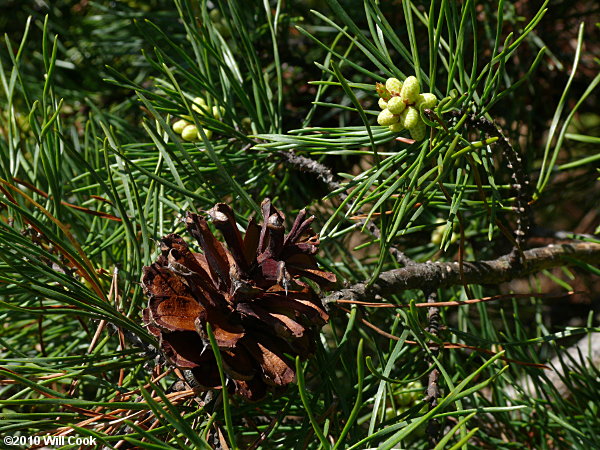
column 324, row 174
column 429, row 275
column 520, row 178
column 308, row 165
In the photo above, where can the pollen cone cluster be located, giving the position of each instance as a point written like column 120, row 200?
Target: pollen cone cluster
column 401, row 104
column 254, row 292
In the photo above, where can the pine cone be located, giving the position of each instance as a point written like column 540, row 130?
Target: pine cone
column 253, row 293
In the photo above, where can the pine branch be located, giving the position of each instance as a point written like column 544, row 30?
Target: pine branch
column 433, row 389
column 313, row 167
column 429, row 276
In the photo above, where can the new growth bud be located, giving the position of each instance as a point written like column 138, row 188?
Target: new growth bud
column 382, row 91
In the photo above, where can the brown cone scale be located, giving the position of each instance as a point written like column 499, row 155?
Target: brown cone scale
column 251, row 290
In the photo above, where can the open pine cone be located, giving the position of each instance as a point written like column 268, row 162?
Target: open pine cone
column 250, row 292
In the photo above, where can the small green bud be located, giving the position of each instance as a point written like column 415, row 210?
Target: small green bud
column 190, row 133
column 215, row 15
column 436, row 235
column 382, row 91
column 382, row 103
column 394, row 86
column 411, row 118
column 218, row 112
column 418, row 131
column 199, row 105
column 410, row 90
column 247, row 124
column 207, row 132
column 396, row 127
column 426, row 101
column 387, row 118
column 409, row 394
column 396, row 105
column 180, row 125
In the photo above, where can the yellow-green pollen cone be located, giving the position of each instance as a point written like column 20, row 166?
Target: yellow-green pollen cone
column 410, row 90
column 396, row 105
column 207, row 132
column 393, row 86
column 218, row 112
column 199, row 105
column 180, row 125
column 418, row 131
column 387, row 118
column 411, row 118
column 190, row 133
column 401, row 104
column 403, row 117
column 396, row 127
column 187, row 130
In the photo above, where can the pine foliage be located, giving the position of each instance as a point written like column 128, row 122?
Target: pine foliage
column 283, row 103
